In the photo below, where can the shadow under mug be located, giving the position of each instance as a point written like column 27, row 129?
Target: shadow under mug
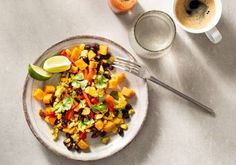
column 210, row 30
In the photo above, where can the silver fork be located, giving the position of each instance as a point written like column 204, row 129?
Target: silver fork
column 142, row 72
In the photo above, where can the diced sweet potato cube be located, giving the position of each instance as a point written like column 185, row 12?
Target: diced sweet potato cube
column 83, row 145
column 50, row 120
column 103, row 49
column 109, row 126
column 112, row 83
column 49, row 89
column 120, row 77
column 93, row 64
column 38, row 94
column 91, row 55
column 69, row 130
column 75, row 54
column 81, row 64
column 122, row 102
column 47, row 99
column 127, row 92
column 99, row 125
column 74, row 69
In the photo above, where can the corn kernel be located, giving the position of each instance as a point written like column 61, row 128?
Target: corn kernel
column 115, row 130
column 67, row 140
column 81, row 47
column 131, row 111
column 120, row 115
column 112, row 59
column 55, row 136
column 105, row 140
column 59, row 116
column 124, row 126
column 75, row 137
column 88, row 130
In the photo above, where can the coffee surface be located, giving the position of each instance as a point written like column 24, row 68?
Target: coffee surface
column 195, row 14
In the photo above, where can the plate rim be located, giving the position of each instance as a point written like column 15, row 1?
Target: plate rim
column 25, row 109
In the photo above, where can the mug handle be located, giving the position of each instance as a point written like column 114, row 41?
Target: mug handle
column 214, row 35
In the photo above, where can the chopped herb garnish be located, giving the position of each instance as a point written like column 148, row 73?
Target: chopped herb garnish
column 78, row 81
column 101, row 82
column 99, row 108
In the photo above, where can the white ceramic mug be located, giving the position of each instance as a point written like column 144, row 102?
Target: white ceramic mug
column 210, row 30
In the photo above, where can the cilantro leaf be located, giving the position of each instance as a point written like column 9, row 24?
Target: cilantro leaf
column 79, row 76
column 67, row 103
column 83, row 125
column 101, row 82
column 100, row 108
column 82, row 104
column 78, row 81
column 83, row 84
column 101, row 97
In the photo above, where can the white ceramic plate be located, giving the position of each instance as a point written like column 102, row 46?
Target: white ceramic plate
column 97, row 150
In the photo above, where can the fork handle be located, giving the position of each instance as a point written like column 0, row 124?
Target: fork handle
column 204, row 107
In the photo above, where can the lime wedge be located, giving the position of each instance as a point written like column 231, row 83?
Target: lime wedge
column 38, row 73
column 57, row 64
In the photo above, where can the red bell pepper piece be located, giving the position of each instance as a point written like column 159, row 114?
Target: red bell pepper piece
column 94, row 100
column 82, row 135
column 69, row 114
column 50, row 114
column 91, row 115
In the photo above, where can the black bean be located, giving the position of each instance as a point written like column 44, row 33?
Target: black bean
column 111, row 67
column 105, row 65
column 125, row 114
column 69, row 146
column 94, row 135
column 57, row 121
column 98, row 58
column 106, row 114
column 96, row 47
column 116, row 113
column 107, row 75
column 94, row 129
column 128, row 107
column 107, row 56
column 77, row 148
column 86, row 60
column 120, row 131
column 102, row 134
column 67, row 135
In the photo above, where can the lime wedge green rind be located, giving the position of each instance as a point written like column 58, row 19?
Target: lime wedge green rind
column 38, row 73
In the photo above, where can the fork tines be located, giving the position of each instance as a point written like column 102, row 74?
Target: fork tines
column 127, row 65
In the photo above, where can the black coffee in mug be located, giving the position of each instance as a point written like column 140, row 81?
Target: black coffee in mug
column 195, row 14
